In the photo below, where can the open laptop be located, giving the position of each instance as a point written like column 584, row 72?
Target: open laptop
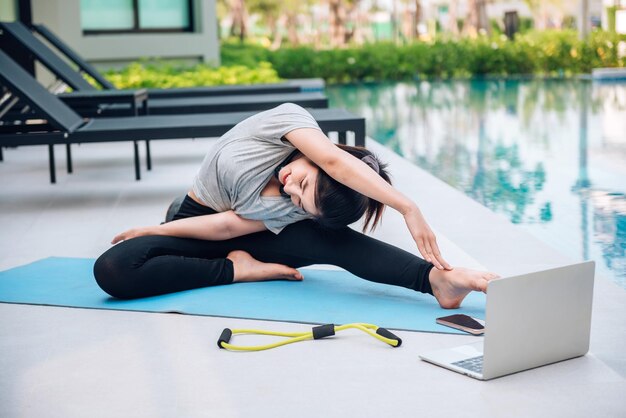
column 531, row 320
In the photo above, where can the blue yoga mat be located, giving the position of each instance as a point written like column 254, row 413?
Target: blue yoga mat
column 324, row 296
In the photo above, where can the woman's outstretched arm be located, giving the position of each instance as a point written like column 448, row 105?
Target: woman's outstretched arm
column 357, row 175
column 215, row 227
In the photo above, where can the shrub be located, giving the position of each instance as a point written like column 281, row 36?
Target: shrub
column 544, row 53
column 561, row 52
column 166, row 75
column 247, row 54
column 533, row 52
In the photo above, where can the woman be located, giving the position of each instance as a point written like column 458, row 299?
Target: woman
column 274, row 194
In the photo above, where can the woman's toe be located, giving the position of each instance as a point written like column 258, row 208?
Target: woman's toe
column 297, row 275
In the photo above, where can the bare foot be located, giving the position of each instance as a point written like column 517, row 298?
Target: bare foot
column 451, row 286
column 248, row 269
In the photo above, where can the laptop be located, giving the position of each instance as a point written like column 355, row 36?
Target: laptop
column 531, row 320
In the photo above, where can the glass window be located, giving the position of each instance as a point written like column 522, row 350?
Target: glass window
column 164, row 14
column 135, row 15
column 107, row 14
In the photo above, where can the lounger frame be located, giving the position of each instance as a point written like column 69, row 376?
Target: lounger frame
column 64, row 126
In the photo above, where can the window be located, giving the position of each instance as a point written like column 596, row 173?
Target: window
column 8, row 10
column 123, row 16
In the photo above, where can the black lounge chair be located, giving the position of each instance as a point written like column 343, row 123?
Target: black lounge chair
column 103, row 102
column 64, row 126
column 289, row 86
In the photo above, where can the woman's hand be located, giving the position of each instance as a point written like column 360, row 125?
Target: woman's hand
column 425, row 238
column 134, row 233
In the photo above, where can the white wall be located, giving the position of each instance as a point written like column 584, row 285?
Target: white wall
column 63, row 18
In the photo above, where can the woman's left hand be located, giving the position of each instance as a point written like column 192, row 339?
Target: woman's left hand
column 425, row 238
column 134, row 233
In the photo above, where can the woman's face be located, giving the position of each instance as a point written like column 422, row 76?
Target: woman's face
column 299, row 180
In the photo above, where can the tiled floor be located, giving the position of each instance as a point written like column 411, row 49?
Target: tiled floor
column 75, row 362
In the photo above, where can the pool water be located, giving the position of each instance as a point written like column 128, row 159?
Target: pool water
column 550, row 155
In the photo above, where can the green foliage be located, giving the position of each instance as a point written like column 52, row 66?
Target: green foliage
column 569, row 22
column 496, row 26
column 549, row 53
column 238, row 53
column 610, row 17
column 525, row 24
column 165, row 75
column 561, row 52
column 544, row 53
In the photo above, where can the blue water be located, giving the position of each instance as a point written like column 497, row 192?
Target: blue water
column 550, row 155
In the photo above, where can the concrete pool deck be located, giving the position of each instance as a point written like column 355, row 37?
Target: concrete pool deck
column 69, row 362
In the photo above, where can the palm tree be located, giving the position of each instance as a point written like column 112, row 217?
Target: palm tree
column 453, row 26
column 337, row 22
column 476, row 18
column 412, row 18
column 269, row 10
column 239, row 18
column 293, row 10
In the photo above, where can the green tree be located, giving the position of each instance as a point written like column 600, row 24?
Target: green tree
column 270, row 11
column 282, row 16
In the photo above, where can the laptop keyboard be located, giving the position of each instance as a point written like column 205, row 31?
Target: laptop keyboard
column 474, row 364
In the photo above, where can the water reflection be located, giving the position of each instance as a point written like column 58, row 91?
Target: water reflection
column 550, row 155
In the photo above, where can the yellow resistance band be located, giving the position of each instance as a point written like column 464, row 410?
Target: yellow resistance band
column 316, row 333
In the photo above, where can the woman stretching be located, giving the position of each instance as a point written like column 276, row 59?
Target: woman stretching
column 274, row 194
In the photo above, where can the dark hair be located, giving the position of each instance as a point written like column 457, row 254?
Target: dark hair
column 339, row 205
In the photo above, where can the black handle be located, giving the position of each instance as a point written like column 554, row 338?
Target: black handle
column 323, row 331
column 388, row 334
column 225, row 337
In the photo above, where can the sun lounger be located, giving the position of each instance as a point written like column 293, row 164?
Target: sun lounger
column 62, row 125
column 100, row 100
column 105, row 103
column 289, row 86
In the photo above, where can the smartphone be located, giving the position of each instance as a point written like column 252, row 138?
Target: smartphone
column 463, row 323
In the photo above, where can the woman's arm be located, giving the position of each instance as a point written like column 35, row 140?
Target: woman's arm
column 216, row 227
column 357, row 175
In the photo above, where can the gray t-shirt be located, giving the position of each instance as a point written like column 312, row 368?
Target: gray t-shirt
column 238, row 167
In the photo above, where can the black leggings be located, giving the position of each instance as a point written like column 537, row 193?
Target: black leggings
column 155, row 265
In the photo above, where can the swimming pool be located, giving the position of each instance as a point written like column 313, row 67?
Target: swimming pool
column 550, row 155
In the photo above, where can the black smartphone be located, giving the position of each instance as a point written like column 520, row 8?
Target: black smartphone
column 464, row 323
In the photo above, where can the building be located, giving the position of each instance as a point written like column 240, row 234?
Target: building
column 111, row 33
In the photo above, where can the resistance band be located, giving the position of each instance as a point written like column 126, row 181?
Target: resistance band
column 316, row 333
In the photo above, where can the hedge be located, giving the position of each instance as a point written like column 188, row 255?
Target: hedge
column 538, row 53
column 167, row 75
column 545, row 53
